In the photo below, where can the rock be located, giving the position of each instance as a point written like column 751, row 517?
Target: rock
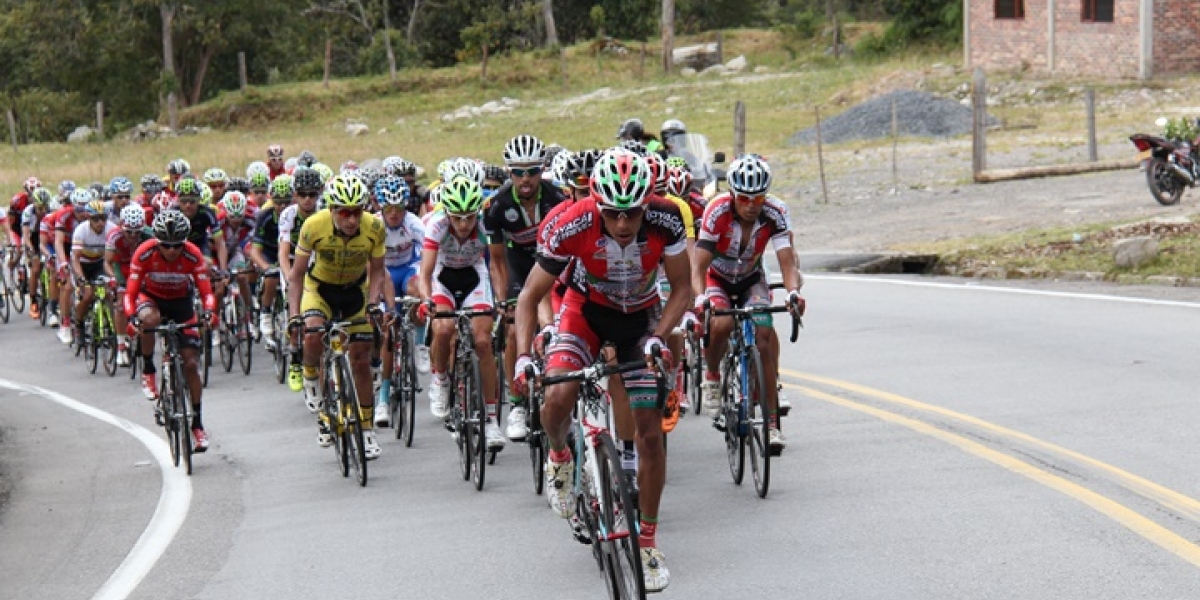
column 510, row 102
column 1131, row 253
column 400, row 121
column 737, row 65
column 762, row 69
column 463, row 113
column 490, row 108
column 697, row 56
column 672, row 99
column 81, row 134
column 381, row 131
column 687, row 72
column 357, row 129
column 715, row 69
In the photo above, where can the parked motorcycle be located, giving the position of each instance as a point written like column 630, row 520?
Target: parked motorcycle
column 1171, row 166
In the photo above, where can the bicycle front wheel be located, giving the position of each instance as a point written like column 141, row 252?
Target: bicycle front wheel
column 735, row 441
column 537, row 442
column 757, row 424
column 108, row 341
column 90, row 341
column 242, row 335
column 225, row 346
column 617, row 526
column 18, row 294
column 7, row 292
column 206, row 358
column 476, row 423
column 695, row 372
column 182, row 411
column 354, row 447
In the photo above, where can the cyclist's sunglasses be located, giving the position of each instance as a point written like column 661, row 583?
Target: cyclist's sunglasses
column 122, row 197
column 307, row 194
column 346, row 213
column 629, row 213
column 170, row 245
column 525, row 172
column 463, row 218
column 755, row 199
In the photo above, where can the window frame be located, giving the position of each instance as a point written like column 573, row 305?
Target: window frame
column 1018, row 7
column 1090, row 10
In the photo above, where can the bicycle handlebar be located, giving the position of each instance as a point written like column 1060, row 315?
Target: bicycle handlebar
column 596, row 372
column 749, row 312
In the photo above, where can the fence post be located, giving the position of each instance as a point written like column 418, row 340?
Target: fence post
column 821, row 158
column 1090, row 100
column 12, row 129
column 173, row 111
column 562, row 60
column 739, row 128
column 979, row 122
column 895, row 135
column 328, row 60
column 100, row 119
column 720, row 46
column 242, row 70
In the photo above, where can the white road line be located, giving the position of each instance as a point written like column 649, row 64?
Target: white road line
column 169, row 515
column 974, row 287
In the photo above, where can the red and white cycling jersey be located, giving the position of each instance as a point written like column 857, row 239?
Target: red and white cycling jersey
column 453, row 253
column 721, row 233
column 153, row 274
column 607, row 274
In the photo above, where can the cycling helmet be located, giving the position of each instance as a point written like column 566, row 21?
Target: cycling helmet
column 658, row 167
column 391, row 165
column 65, row 187
column 469, row 168
column 257, row 166
column 631, row 129
column 151, row 184
column 560, row 166
column 391, row 190
column 348, row 167
column 635, row 146
column 178, row 167
column 172, row 227
column 54, row 205
column 133, row 217
column 621, row 180
column 672, row 127
column 290, row 164
column 679, row 181
column 346, row 191
column 495, row 172
column 206, row 194
column 461, row 196
column 573, row 169
column 274, row 151
column 306, row 159
column 524, row 150
column 551, row 153
column 163, row 201
column 259, row 181
column 281, row 187
column 407, row 168
column 41, row 196
column 120, row 185
column 215, row 175
column 188, row 186
column 325, row 171
column 678, row 161
column 95, row 208
column 234, row 204
column 749, row 174
column 80, row 197
column 445, row 169
column 31, row 184
column 306, row 179
column 239, row 184
column 368, row 175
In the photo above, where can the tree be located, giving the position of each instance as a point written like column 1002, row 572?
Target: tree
column 668, row 34
column 548, row 17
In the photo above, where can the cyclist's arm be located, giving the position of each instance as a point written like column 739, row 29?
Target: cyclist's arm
column 499, row 271
column 27, row 237
column 133, row 287
column 60, row 240
column 254, row 253
column 381, row 284
column 111, row 268
column 701, row 259
column 537, row 287
column 222, row 250
column 285, row 259
column 678, row 301
column 788, row 268
column 77, row 249
column 428, row 263
column 295, row 278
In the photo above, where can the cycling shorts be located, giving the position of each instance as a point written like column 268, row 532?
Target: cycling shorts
column 751, row 291
column 177, row 310
column 338, row 303
column 468, row 287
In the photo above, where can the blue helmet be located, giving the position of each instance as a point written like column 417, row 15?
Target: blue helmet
column 120, row 185
column 391, row 190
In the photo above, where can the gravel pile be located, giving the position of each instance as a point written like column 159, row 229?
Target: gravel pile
column 917, row 114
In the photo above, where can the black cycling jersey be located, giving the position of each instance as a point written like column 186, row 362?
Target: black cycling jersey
column 205, row 226
column 507, row 223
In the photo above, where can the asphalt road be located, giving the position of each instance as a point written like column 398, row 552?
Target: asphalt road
column 948, row 441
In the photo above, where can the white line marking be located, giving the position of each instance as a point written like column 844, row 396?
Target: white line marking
column 169, row 515
column 974, row 287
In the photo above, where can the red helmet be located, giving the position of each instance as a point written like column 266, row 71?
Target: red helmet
column 31, row 184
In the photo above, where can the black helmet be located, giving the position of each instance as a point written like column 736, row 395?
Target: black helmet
column 172, row 227
column 306, row 158
column 305, row 179
column 239, row 184
column 631, row 129
column 495, row 172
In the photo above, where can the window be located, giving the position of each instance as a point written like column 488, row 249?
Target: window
column 1097, row 11
column 1015, row 9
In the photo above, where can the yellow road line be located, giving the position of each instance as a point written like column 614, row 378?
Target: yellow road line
column 1135, row 522
column 1170, row 499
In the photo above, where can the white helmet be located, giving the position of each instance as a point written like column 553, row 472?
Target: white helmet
column 133, row 216
column 749, row 174
column 524, row 150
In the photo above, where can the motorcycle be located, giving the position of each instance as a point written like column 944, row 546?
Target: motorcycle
column 693, row 148
column 1171, row 166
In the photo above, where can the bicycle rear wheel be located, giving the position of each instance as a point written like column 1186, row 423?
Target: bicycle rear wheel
column 108, row 341
column 7, row 291
column 476, row 422
column 19, row 288
column 756, row 424
column 694, row 375
column 243, row 336
column 279, row 317
column 135, row 355
column 735, row 442
column 617, row 526
column 182, row 412
column 225, row 347
column 352, row 432
column 166, row 412
column 206, row 357
column 537, row 442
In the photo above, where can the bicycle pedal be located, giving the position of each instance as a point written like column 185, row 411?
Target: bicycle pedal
column 719, row 425
column 775, row 451
column 784, row 410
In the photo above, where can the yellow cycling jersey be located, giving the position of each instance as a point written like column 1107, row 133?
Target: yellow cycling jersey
column 685, row 211
column 340, row 260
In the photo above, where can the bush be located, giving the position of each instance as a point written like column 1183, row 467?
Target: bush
column 46, row 116
column 372, row 59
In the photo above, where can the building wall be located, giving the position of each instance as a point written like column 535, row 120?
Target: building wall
column 1104, row 49
column 1007, row 44
column 1176, row 37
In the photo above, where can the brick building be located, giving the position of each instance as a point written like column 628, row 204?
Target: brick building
column 1115, row 38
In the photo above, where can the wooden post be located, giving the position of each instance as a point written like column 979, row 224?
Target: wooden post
column 979, row 121
column 821, row 159
column 1090, row 100
column 837, row 38
column 562, row 59
column 100, row 119
column 668, row 35
column 173, row 111
column 242, row 70
column 720, row 47
column 895, row 135
column 739, row 129
column 12, row 129
column 642, row 64
column 328, row 60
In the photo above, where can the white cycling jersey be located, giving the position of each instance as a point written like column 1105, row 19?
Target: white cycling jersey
column 89, row 245
column 404, row 242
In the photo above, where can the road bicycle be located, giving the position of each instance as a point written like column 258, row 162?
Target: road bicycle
column 278, row 344
column 20, row 280
column 603, row 496
column 405, row 386
column 40, row 295
column 99, row 331
column 341, row 414
column 536, row 436
column 173, row 411
column 499, row 346
column 743, row 416
column 235, row 335
column 468, row 414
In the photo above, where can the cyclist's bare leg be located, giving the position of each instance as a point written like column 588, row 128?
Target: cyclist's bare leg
column 313, row 345
column 270, row 287
column 150, row 317
column 440, row 346
column 768, row 349
column 85, row 303
column 556, row 410
column 481, row 327
column 360, row 370
column 65, row 290
column 622, row 414
column 191, row 373
column 719, row 329
column 652, row 461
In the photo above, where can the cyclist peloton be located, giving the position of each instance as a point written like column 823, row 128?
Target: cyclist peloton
column 727, row 271
column 617, row 236
column 346, row 245
column 162, row 274
column 88, row 243
column 118, row 254
column 306, row 187
column 31, row 239
column 63, row 225
column 512, row 220
column 264, row 251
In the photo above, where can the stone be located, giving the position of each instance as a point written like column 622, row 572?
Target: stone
column 381, row 131
column 1131, row 253
column 81, row 134
column 491, row 107
column 715, row 69
column 760, row 69
column 736, row 65
column 511, row 102
column 672, row 99
column 687, row 72
column 357, row 129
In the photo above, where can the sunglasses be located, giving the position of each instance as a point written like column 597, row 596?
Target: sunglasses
column 97, row 218
column 170, row 245
column 463, row 218
column 755, row 199
column 259, row 191
column 217, row 184
column 348, row 212
column 189, row 200
column 529, row 172
column 629, row 213
column 490, row 188
column 122, row 197
column 393, row 208
column 281, row 201
column 581, row 181
column 307, row 194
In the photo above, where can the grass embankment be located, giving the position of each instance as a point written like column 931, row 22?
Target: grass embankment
column 1084, row 249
